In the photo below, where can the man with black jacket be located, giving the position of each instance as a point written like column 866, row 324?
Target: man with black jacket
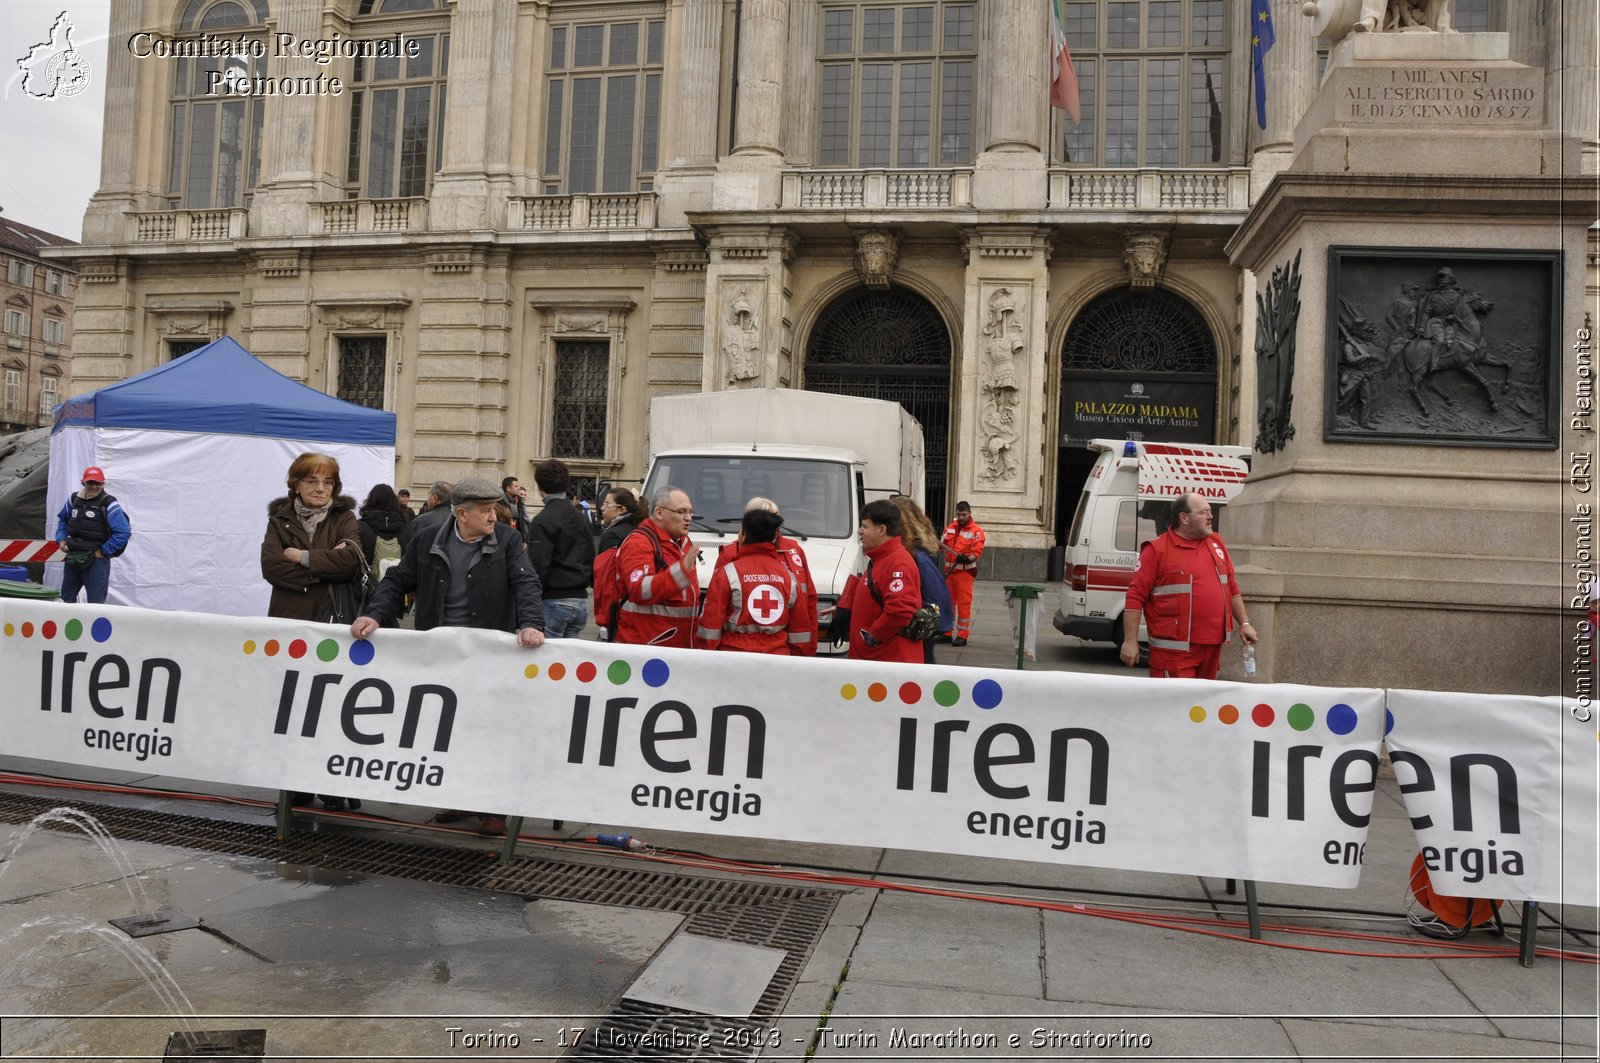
column 472, row 572
column 561, row 544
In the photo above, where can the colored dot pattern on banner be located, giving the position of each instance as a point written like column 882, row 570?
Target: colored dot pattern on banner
column 72, row 630
column 985, row 693
column 1339, row 719
column 655, row 672
column 327, row 651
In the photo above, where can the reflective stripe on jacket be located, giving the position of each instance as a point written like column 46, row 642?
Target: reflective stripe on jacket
column 738, row 615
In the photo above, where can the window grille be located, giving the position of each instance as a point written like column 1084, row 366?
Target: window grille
column 583, row 372
column 363, row 362
column 178, row 348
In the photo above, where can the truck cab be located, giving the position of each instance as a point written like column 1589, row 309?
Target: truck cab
column 1126, row 502
column 819, row 490
column 820, row 457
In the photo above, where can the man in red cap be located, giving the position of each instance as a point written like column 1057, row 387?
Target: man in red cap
column 93, row 529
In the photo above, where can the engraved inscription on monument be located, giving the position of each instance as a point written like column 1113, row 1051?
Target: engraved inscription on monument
column 1470, row 95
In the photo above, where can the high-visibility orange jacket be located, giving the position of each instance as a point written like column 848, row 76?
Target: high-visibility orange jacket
column 1185, row 587
column 660, row 603
column 754, row 605
column 959, row 541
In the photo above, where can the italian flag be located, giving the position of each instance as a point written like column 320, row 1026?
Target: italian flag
column 1063, row 79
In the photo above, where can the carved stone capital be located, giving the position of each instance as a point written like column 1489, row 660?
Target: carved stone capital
column 1145, row 255
column 376, row 311
column 877, row 254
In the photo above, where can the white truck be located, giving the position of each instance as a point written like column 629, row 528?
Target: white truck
column 1125, row 503
column 820, row 457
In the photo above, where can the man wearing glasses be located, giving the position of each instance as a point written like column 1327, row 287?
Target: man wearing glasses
column 660, row 590
column 1184, row 587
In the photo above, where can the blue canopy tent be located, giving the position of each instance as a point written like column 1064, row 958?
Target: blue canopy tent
column 194, row 450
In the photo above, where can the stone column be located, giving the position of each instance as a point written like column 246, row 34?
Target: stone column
column 1571, row 77
column 763, row 36
column 693, row 99
column 749, row 179
column 103, row 222
column 1010, row 173
column 482, row 40
column 1290, row 70
column 698, row 72
column 290, row 182
column 801, row 128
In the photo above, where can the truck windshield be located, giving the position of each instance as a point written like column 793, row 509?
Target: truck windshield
column 813, row 496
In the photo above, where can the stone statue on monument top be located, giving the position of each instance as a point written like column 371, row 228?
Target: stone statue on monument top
column 1337, row 19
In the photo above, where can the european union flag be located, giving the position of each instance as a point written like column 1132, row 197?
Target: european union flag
column 1261, row 38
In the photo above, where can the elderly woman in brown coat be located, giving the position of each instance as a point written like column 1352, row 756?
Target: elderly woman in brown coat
column 312, row 539
column 312, row 542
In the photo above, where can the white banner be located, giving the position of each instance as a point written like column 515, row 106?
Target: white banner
column 1501, row 791
column 1273, row 783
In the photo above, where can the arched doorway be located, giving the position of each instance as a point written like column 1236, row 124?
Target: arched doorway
column 1134, row 365
column 889, row 345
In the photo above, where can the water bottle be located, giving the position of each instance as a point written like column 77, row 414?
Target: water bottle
column 1249, row 660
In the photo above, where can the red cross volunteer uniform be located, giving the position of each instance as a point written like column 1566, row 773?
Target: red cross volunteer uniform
column 1185, row 588
column 754, row 605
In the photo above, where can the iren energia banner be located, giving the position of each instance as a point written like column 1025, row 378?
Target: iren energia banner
column 1265, row 782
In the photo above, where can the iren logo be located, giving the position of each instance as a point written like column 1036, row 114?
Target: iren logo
column 103, row 680
column 675, row 722
column 364, row 703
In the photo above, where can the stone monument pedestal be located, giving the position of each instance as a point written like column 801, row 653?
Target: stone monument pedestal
column 1411, row 532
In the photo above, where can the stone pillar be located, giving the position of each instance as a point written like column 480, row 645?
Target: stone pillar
column 482, row 43
column 290, row 182
column 1570, row 77
column 801, row 128
column 998, row 438
column 698, row 71
column 690, row 111
column 749, row 179
column 1010, row 173
column 763, row 37
column 747, row 331
column 1290, row 69
column 103, row 221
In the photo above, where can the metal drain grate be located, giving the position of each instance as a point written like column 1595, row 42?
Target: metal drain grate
column 790, row 918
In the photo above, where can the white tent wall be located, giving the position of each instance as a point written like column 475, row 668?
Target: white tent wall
column 198, row 506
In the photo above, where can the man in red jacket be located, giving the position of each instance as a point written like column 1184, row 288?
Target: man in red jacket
column 754, row 603
column 660, row 590
column 1185, row 589
column 883, row 600
column 795, row 558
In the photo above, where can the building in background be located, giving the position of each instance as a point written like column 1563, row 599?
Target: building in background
column 36, row 339
column 542, row 214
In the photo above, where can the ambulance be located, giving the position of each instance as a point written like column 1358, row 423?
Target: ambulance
column 1125, row 503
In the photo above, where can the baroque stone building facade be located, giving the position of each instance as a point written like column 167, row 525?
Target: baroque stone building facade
column 541, row 213
column 36, row 298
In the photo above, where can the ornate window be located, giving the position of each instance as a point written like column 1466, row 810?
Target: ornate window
column 17, row 323
column 603, row 105
column 1152, row 82
column 178, row 348
column 897, row 84
column 214, row 156
column 363, row 370
column 397, row 102
column 55, row 331
column 583, row 371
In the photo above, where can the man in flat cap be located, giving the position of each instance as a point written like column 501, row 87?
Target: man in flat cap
column 502, row 594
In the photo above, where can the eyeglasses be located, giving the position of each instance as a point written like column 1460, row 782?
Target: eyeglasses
column 680, row 512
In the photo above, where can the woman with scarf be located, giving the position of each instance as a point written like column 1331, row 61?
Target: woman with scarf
column 312, row 542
